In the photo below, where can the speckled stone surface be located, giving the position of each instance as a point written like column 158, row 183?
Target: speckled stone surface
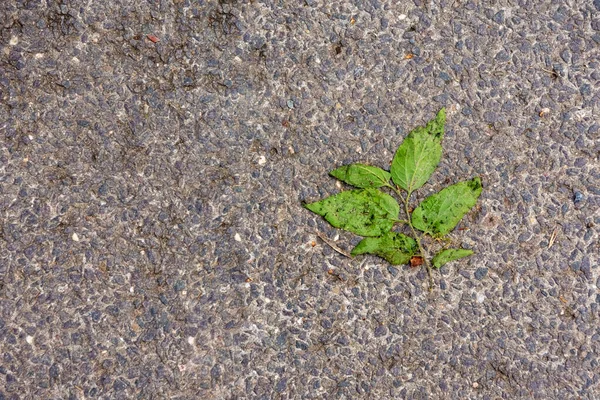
column 154, row 156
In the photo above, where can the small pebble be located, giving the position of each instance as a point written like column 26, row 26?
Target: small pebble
column 480, row 273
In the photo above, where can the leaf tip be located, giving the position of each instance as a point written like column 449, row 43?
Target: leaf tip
column 340, row 173
column 475, row 184
column 435, row 127
column 441, row 115
column 314, row 207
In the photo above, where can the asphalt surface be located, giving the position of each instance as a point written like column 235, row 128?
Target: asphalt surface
column 154, row 157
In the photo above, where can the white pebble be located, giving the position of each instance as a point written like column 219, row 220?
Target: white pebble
column 75, row 237
column 29, row 339
column 237, row 237
column 262, row 160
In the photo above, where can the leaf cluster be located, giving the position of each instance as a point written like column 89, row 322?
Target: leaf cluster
column 371, row 213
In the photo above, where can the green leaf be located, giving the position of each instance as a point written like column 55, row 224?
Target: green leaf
column 445, row 256
column 395, row 247
column 362, row 176
column 419, row 154
column 366, row 212
column 439, row 213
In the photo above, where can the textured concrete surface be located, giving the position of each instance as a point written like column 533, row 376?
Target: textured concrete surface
column 155, row 154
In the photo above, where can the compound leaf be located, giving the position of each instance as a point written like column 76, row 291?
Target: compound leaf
column 439, row 213
column 366, row 212
column 362, row 176
column 394, row 247
column 445, row 256
column 419, row 154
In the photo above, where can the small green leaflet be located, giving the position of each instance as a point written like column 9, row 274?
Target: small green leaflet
column 362, row 176
column 439, row 213
column 366, row 212
column 445, row 256
column 419, row 154
column 394, row 247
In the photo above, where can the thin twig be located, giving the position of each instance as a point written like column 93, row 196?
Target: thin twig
column 553, row 237
column 332, row 245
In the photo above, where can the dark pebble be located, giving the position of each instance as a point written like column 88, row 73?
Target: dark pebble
column 281, row 339
column 502, row 56
column 215, row 372
column 54, row 371
column 301, row 345
column 499, row 17
column 103, row 189
column 163, row 299
column 577, row 197
column 480, row 273
column 179, row 286
column 281, row 385
column 585, row 89
column 119, row 385
column 96, row 315
column 149, row 335
column 445, row 77
column 380, row 331
column 343, row 340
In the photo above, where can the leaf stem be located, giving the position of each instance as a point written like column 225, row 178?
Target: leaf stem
column 417, row 238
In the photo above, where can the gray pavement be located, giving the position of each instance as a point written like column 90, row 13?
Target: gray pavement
column 154, row 157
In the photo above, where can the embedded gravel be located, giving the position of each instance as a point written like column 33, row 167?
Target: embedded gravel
column 155, row 154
